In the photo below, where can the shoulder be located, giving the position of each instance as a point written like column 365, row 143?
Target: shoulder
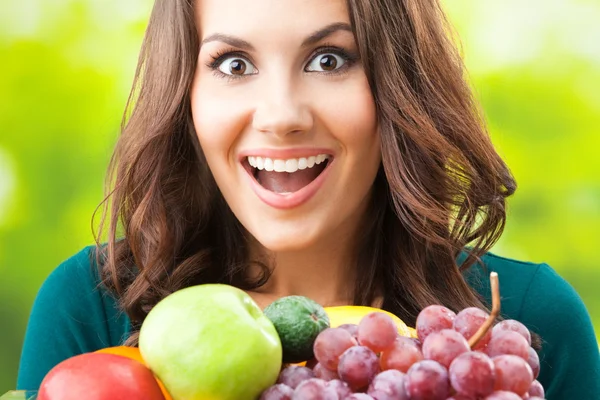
column 536, row 295
column 72, row 314
column 74, row 290
column 74, row 286
column 515, row 276
column 77, row 273
column 527, row 289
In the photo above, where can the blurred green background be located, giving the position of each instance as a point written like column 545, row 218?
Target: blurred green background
column 65, row 71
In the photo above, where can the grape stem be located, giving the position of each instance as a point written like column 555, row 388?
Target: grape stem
column 485, row 327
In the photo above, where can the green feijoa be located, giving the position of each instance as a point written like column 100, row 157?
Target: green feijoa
column 298, row 321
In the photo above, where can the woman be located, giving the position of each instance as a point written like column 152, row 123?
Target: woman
column 326, row 149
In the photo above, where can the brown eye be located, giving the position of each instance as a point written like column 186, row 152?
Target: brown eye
column 326, row 62
column 236, row 66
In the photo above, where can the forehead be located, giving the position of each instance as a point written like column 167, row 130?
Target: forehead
column 268, row 17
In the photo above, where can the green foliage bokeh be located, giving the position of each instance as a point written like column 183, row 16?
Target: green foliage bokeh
column 65, row 72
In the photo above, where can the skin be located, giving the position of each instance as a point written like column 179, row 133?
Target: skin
column 285, row 99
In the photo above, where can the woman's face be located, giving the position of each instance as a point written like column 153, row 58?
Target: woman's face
column 284, row 114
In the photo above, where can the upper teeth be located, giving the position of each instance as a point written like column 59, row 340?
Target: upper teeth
column 289, row 165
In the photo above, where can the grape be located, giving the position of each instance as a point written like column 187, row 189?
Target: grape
column 536, row 389
column 468, row 321
column 472, row 374
column 380, row 395
column 508, row 342
column 314, row 389
column 278, row 392
column 534, row 398
column 502, row 395
column 432, row 319
column 323, row 373
column 359, row 396
column 293, row 375
column 330, row 344
column 388, row 385
column 351, row 328
column 427, row 380
column 534, row 362
column 444, row 346
column 377, row 331
column 512, row 325
column 513, row 374
column 358, row 365
column 402, row 355
column 341, row 388
column 459, row 397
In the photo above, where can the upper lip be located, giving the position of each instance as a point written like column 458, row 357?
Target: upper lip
column 283, row 154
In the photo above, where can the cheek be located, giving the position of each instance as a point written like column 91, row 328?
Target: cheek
column 352, row 117
column 217, row 119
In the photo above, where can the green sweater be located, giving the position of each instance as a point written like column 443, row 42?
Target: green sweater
column 72, row 315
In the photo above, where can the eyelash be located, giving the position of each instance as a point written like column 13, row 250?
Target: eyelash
column 349, row 58
column 218, row 59
column 220, row 56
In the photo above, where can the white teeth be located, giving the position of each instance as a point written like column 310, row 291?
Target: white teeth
column 302, row 163
column 289, row 165
column 279, row 166
column 268, row 164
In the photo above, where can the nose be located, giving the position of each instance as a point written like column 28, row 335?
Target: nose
column 281, row 109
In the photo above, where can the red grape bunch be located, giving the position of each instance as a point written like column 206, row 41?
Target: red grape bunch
column 452, row 359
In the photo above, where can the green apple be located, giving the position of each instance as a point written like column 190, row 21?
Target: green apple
column 211, row 342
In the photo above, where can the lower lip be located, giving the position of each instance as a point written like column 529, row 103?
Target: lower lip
column 289, row 200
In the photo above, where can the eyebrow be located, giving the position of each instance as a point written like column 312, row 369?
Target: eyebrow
column 313, row 38
column 230, row 40
column 327, row 31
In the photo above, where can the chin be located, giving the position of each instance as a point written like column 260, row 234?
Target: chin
column 281, row 240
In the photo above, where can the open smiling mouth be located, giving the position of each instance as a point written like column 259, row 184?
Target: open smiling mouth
column 286, row 176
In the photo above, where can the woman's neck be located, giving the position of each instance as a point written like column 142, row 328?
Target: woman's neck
column 326, row 272
column 326, row 275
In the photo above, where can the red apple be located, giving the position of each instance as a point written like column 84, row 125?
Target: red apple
column 99, row 376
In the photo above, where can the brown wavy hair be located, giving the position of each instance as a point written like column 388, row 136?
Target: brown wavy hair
column 441, row 186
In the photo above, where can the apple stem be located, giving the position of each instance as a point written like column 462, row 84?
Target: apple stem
column 485, row 327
